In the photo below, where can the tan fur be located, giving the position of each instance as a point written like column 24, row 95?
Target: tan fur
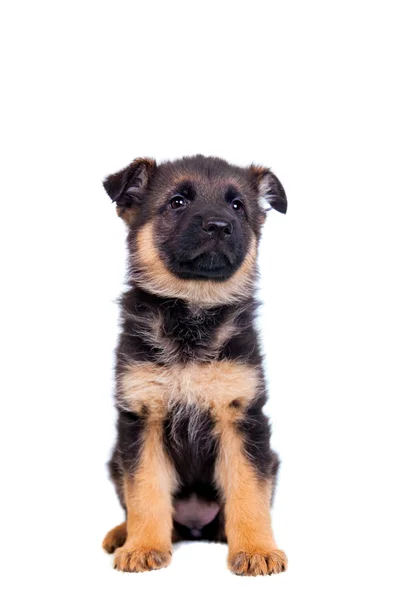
column 259, row 172
column 252, row 548
column 224, row 333
column 209, row 386
column 148, row 498
column 126, row 214
column 115, row 538
column 267, row 563
column 157, row 279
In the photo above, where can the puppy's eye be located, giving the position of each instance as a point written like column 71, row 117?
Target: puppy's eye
column 178, row 202
column 237, row 204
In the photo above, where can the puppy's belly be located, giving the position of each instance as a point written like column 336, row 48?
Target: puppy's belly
column 195, row 513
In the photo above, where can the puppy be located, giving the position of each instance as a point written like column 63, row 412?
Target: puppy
column 192, row 459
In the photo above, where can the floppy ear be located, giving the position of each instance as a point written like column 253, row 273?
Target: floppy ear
column 127, row 187
column 270, row 189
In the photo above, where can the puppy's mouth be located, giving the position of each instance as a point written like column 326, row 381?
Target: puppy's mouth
column 211, row 259
column 206, row 265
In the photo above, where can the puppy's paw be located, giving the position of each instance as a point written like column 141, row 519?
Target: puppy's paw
column 259, row 563
column 115, row 538
column 135, row 560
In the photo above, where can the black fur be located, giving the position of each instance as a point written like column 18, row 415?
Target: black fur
column 143, row 193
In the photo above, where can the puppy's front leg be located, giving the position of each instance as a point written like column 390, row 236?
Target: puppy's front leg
column 148, row 498
column 252, row 548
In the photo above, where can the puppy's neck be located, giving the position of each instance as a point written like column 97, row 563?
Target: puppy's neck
column 170, row 330
column 188, row 310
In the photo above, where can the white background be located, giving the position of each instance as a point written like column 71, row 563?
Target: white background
column 309, row 89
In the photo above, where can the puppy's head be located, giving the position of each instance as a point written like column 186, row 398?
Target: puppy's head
column 194, row 225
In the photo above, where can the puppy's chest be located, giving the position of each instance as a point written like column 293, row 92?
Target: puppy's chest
column 188, row 366
column 189, row 340
column 188, row 370
column 151, row 389
column 177, row 338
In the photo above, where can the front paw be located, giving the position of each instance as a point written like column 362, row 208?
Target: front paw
column 258, row 563
column 135, row 560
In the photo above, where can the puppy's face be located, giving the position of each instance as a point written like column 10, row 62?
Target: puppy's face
column 194, row 224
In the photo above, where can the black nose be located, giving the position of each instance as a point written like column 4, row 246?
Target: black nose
column 217, row 226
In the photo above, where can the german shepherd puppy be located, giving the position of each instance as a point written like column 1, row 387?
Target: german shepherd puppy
column 192, row 459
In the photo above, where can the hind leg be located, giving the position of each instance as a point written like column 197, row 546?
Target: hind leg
column 115, row 538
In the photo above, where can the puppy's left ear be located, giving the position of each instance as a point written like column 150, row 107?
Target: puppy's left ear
column 127, row 188
column 270, row 189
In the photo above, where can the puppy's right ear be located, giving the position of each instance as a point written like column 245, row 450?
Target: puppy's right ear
column 127, row 187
